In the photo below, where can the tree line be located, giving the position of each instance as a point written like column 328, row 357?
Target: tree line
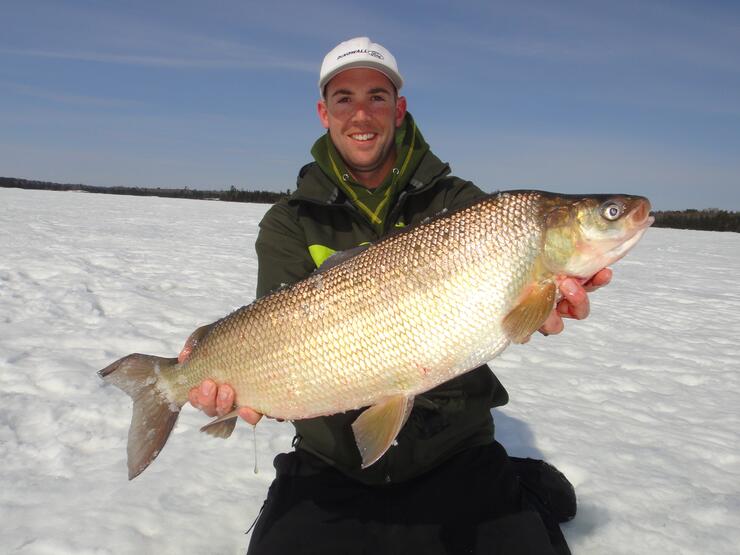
column 230, row 195
column 710, row 219
column 707, row 220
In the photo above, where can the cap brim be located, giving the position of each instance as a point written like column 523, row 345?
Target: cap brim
column 393, row 77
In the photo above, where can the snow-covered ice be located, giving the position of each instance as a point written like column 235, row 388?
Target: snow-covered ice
column 638, row 405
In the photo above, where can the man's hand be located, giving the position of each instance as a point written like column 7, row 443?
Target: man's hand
column 219, row 400
column 574, row 303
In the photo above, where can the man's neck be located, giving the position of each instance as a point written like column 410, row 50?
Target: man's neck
column 374, row 178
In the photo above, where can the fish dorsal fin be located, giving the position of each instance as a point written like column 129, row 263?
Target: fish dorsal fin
column 377, row 427
column 341, row 256
column 221, row 426
column 533, row 309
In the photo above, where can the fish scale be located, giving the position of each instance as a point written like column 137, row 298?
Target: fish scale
column 410, row 312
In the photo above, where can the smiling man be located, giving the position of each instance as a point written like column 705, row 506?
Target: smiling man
column 361, row 109
column 447, row 486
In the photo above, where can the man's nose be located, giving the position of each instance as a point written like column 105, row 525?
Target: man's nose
column 361, row 111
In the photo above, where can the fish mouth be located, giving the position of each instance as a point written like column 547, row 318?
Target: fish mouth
column 623, row 248
column 639, row 217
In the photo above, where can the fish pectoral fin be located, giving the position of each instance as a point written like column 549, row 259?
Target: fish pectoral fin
column 377, row 427
column 531, row 312
column 222, row 426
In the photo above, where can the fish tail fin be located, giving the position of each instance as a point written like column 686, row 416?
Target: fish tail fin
column 153, row 416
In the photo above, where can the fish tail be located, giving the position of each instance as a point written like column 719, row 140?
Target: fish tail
column 154, row 415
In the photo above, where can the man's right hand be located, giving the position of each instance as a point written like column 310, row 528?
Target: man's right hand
column 217, row 400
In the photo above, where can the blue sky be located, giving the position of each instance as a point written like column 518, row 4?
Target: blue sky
column 638, row 97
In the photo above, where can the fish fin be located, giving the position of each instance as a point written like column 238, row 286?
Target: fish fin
column 341, row 256
column 377, row 427
column 193, row 340
column 531, row 312
column 221, row 426
column 153, row 416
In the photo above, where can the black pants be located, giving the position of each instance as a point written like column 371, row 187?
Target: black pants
column 473, row 503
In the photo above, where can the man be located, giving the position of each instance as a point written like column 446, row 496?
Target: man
column 447, row 486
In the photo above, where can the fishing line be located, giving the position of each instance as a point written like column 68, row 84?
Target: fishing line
column 254, row 444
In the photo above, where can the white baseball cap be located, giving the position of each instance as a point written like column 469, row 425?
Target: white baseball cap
column 359, row 52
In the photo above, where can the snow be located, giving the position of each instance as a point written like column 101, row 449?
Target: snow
column 638, row 405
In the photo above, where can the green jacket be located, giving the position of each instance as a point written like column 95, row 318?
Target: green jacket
column 298, row 233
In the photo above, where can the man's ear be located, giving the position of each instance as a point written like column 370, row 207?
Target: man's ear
column 400, row 110
column 323, row 113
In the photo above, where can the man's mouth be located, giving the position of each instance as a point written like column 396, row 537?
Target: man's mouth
column 363, row 136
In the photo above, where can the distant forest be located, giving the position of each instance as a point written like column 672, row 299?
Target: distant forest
column 231, row 195
column 711, row 219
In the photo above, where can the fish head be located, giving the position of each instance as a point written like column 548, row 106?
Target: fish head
column 584, row 234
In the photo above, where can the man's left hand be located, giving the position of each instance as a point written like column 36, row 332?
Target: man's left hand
column 574, row 303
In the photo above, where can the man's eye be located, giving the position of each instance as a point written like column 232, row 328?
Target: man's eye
column 378, row 98
column 343, row 100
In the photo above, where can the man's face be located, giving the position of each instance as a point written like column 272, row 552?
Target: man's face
column 361, row 112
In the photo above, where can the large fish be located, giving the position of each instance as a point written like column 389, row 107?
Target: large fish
column 387, row 323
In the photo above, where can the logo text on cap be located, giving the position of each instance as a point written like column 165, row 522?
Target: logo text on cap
column 373, row 53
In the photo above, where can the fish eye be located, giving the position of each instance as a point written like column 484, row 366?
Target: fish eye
column 611, row 210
